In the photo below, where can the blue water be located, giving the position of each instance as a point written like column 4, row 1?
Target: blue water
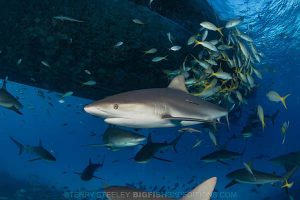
column 274, row 26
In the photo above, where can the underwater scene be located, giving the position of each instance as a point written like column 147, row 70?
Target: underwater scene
column 150, row 99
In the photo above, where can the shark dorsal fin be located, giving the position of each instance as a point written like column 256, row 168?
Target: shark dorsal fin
column 178, row 83
column 4, row 82
column 204, row 190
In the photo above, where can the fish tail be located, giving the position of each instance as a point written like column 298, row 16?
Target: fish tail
column 175, row 141
column 220, row 31
column 290, row 173
column 197, row 43
column 19, row 145
column 282, row 99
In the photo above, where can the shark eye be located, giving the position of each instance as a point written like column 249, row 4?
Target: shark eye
column 116, row 106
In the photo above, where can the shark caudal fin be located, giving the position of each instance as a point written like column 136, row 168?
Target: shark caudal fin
column 19, row 145
column 202, row 191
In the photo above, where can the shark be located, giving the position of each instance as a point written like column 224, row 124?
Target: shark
column 156, row 107
column 150, row 149
column 40, row 151
column 115, row 138
column 88, row 173
column 8, row 101
column 257, row 178
column 221, row 156
column 288, row 161
column 201, row 192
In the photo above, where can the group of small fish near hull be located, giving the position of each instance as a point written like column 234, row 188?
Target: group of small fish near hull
column 201, row 192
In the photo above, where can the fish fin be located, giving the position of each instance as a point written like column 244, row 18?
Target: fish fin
column 93, row 145
column 290, row 172
column 78, row 173
column 222, row 162
column 35, row 159
column 233, row 182
column 178, row 84
column 169, row 117
column 203, row 191
column 98, row 177
column 16, row 110
column 282, row 99
column 274, row 116
column 19, row 145
column 162, row 159
column 4, row 83
column 175, row 141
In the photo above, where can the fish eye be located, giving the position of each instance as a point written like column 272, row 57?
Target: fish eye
column 116, row 106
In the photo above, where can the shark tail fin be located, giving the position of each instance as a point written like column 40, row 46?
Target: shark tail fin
column 202, row 191
column 19, row 145
column 175, row 142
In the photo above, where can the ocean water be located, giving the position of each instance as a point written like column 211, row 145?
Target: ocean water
column 63, row 127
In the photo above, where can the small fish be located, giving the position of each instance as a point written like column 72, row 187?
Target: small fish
column 170, row 37
column 232, row 23
column 19, row 61
column 189, row 130
column 206, row 44
column 159, row 58
column 61, row 101
column 248, row 168
column 284, row 129
column 212, row 138
column 45, row 63
column 222, row 75
column 191, row 40
column 244, row 50
column 118, row 44
column 89, row 83
column 67, row 94
column 87, row 72
column 198, row 142
column 150, row 51
column 204, row 36
column 260, row 113
column 211, row 26
column 274, row 96
column 65, row 18
column 138, row 21
column 245, row 37
column 175, row 48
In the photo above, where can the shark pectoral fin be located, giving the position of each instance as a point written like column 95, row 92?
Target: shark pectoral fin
column 222, row 162
column 233, row 182
column 16, row 110
column 98, row 177
column 162, row 159
column 35, row 159
column 179, row 119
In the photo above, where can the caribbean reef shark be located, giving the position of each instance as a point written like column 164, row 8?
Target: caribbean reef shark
column 40, row 151
column 201, row 192
column 9, row 101
column 156, row 107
